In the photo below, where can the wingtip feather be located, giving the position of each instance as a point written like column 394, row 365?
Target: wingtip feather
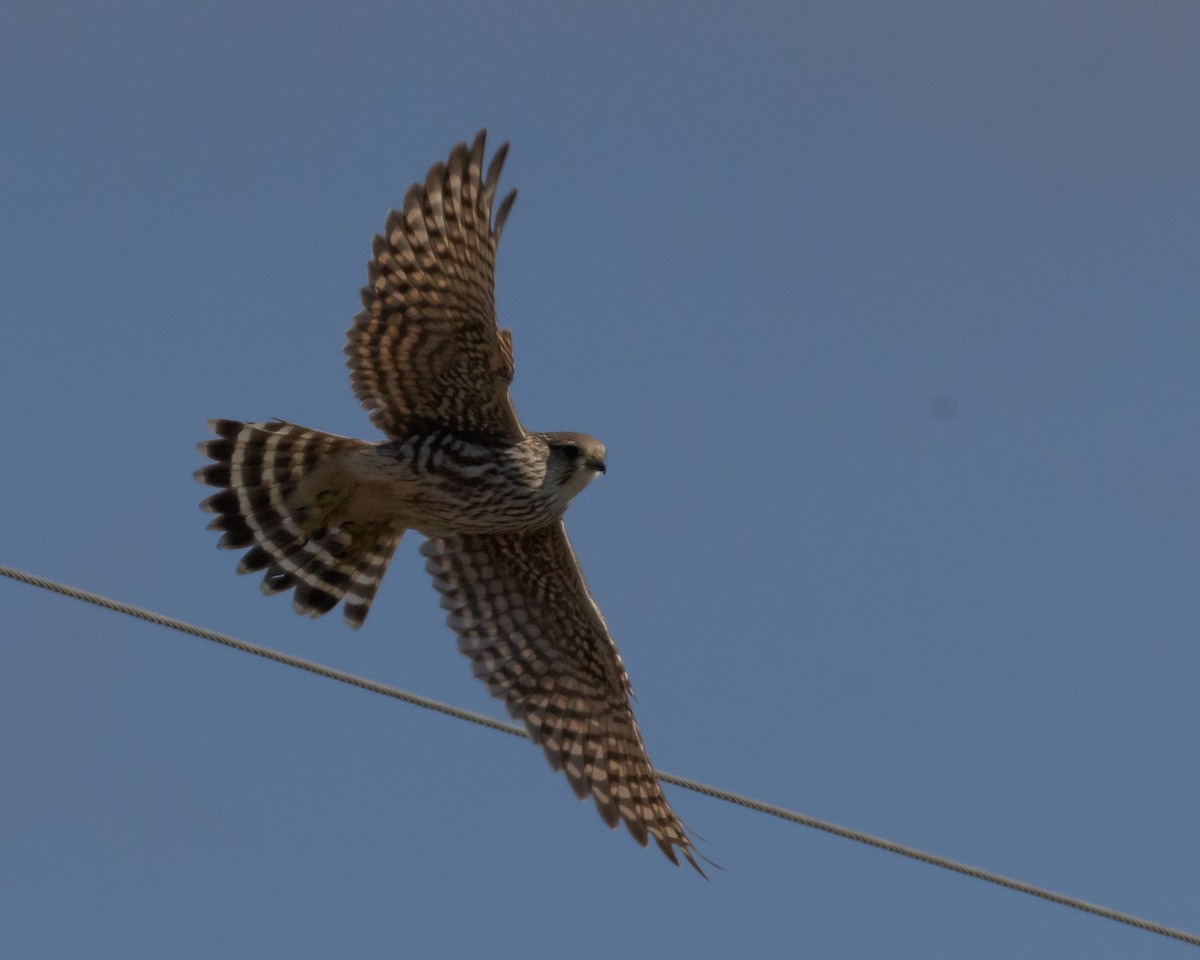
column 502, row 213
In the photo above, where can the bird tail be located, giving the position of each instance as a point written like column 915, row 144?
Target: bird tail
column 299, row 533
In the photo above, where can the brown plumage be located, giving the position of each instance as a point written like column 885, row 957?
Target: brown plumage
column 321, row 515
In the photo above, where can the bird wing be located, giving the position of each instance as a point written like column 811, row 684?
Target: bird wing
column 425, row 350
column 534, row 635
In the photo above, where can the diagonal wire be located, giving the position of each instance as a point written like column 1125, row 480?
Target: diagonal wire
column 370, row 685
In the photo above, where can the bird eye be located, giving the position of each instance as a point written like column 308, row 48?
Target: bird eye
column 570, row 451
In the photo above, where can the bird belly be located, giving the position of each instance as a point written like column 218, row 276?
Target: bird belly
column 438, row 495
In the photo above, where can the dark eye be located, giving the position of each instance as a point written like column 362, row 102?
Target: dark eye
column 570, row 451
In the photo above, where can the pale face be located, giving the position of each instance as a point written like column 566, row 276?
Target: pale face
column 574, row 460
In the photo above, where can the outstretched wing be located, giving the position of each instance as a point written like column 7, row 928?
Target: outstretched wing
column 524, row 616
column 425, row 350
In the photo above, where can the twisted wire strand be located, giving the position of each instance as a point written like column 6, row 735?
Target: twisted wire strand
column 717, row 793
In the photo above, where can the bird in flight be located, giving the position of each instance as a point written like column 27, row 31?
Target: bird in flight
column 321, row 515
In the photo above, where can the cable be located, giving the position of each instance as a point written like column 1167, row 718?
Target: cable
column 266, row 653
column 331, row 674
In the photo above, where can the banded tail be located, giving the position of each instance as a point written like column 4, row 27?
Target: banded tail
column 299, row 533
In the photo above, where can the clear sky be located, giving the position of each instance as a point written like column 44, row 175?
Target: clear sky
column 889, row 317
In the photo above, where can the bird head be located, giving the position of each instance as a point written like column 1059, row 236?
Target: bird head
column 573, row 460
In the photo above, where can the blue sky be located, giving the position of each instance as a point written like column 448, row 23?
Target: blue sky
column 889, row 317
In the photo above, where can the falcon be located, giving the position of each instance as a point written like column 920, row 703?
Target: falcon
column 320, row 515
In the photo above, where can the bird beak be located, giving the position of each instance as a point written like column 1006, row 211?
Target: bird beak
column 597, row 465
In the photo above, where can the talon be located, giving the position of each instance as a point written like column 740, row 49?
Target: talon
column 318, row 518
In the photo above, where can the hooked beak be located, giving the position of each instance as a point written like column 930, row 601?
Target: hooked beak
column 597, row 464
